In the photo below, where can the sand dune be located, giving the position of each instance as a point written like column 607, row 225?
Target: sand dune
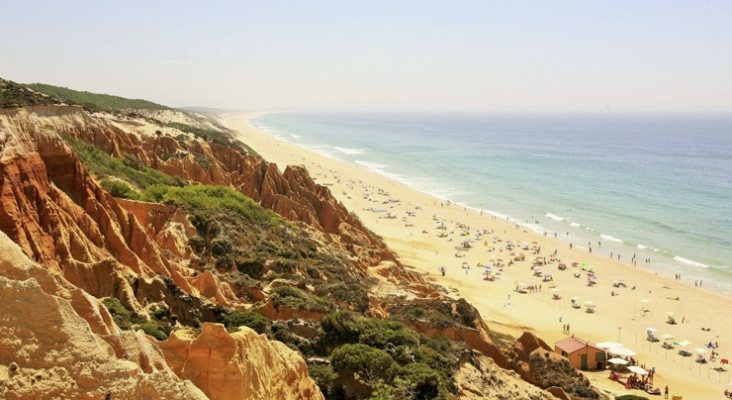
column 617, row 318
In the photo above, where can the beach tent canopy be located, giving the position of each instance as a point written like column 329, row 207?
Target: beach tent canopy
column 621, row 351
column 608, row 345
column 617, row 361
column 637, row 370
column 700, row 350
column 651, row 329
column 667, row 336
column 683, row 343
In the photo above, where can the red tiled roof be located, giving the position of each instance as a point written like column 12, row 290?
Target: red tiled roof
column 571, row 344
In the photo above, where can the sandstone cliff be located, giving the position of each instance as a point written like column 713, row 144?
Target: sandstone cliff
column 239, row 365
column 48, row 351
column 92, row 245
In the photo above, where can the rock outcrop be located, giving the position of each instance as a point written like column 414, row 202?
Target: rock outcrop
column 48, row 351
column 241, row 365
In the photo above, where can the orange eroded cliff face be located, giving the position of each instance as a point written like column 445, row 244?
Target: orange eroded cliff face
column 239, row 365
column 91, row 245
column 48, row 350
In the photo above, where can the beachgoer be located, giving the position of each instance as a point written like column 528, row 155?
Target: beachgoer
column 665, row 392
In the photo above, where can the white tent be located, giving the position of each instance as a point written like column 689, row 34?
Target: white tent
column 637, row 370
column 608, row 345
column 617, row 361
column 621, row 351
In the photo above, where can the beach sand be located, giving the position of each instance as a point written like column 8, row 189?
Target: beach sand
column 617, row 318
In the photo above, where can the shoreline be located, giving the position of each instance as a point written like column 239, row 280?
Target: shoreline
column 614, row 244
column 618, row 318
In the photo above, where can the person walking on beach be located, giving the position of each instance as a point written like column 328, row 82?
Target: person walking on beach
column 665, row 392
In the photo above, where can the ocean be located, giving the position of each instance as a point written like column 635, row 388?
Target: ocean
column 655, row 186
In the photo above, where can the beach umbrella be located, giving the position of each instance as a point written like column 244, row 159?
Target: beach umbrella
column 621, row 351
column 608, row 345
column 637, row 370
column 651, row 329
column 555, row 290
column 617, row 361
column 700, row 350
column 667, row 336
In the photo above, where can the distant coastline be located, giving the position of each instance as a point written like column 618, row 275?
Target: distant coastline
column 664, row 258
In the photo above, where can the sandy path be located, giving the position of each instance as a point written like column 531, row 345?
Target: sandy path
column 618, row 318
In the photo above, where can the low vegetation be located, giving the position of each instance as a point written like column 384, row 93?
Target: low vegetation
column 159, row 325
column 561, row 373
column 130, row 169
column 119, row 189
column 376, row 358
column 15, row 95
column 223, row 136
column 249, row 319
column 94, row 101
column 205, row 201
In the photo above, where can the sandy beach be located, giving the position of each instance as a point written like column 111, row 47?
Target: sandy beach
column 623, row 317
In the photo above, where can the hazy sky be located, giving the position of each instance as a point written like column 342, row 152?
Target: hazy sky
column 380, row 55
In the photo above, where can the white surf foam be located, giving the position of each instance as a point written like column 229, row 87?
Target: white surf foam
column 642, row 247
column 575, row 224
column 690, row 262
column 611, row 238
column 554, row 217
column 349, row 152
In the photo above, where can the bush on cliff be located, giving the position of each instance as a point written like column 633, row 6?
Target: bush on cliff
column 119, row 189
column 249, row 319
column 291, row 297
column 100, row 164
column 123, row 317
column 207, row 199
column 422, row 364
column 94, row 101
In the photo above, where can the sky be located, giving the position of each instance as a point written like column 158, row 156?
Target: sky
column 381, row 56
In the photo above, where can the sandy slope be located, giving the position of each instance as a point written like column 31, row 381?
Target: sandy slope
column 618, row 318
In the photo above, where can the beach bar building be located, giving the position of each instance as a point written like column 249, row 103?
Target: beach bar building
column 581, row 353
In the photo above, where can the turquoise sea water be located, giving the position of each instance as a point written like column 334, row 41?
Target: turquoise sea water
column 657, row 186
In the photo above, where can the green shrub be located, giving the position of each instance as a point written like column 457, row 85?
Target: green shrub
column 201, row 201
column 349, row 327
column 198, row 243
column 325, row 377
column 123, row 317
column 291, row 297
column 369, row 363
column 119, row 189
column 94, row 101
column 155, row 330
column 354, row 295
column 130, row 169
column 422, row 379
column 249, row 319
